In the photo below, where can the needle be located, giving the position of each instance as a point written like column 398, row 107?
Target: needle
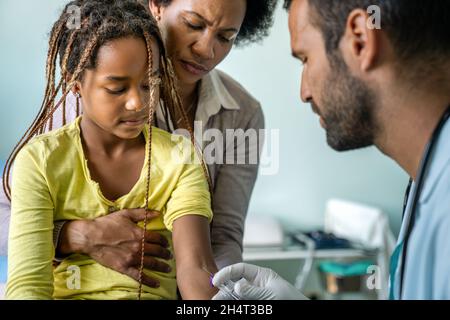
column 211, row 276
column 227, row 288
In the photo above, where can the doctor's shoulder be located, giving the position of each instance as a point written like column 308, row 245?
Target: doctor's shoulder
column 440, row 194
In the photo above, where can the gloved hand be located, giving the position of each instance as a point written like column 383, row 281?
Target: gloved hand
column 255, row 283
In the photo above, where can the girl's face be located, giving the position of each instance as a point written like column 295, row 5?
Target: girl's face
column 115, row 95
column 199, row 34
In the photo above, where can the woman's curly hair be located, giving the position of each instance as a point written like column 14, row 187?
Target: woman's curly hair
column 257, row 22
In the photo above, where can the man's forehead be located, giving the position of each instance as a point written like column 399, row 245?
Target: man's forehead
column 298, row 19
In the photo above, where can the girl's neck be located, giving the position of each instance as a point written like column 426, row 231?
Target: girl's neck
column 97, row 140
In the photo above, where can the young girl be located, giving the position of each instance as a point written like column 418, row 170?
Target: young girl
column 109, row 159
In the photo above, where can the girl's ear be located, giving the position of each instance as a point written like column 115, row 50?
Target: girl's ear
column 76, row 88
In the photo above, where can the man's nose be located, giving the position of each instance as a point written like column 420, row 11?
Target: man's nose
column 305, row 93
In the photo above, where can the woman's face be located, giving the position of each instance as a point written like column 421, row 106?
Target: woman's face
column 199, row 34
column 115, row 94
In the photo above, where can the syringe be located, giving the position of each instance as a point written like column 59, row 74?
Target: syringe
column 227, row 287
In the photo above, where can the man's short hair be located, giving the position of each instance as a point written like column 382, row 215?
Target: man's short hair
column 418, row 29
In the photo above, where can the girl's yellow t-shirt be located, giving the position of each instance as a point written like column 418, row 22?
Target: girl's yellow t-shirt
column 51, row 182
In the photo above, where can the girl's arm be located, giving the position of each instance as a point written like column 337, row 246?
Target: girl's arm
column 188, row 214
column 194, row 258
column 30, row 250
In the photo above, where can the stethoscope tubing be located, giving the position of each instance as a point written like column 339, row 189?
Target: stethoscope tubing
column 419, row 184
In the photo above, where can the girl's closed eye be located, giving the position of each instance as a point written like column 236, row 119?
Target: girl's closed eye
column 115, row 91
column 120, row 91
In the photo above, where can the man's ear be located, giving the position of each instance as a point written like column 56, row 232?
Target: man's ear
column 360, row 44
column 156, row 9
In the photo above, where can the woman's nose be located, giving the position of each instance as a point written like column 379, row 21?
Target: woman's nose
column 204, row 47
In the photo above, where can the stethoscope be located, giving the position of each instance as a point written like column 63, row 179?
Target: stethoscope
column 416, row 196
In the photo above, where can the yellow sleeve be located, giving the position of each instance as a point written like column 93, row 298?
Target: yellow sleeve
column 30, row 250
column 191, row 194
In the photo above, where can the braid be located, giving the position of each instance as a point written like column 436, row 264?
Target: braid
column 86, row 54
column 56, row 33
column 64, row 71
column 175, row 98
column 77, row 106
column 49, row 110
column 63, row 105
column 152, row 102
column 51, row 65
column 57, row 43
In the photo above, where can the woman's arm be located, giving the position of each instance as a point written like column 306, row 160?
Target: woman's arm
column 30, row 249
column 232, row 192
column 194, row 257
column 114, row 241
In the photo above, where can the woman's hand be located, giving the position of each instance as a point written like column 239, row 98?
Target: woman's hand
column 114, row 241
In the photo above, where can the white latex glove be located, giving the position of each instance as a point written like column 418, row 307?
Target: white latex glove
column 255, row 283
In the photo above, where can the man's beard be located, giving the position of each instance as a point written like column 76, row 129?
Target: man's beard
column 348, row 108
